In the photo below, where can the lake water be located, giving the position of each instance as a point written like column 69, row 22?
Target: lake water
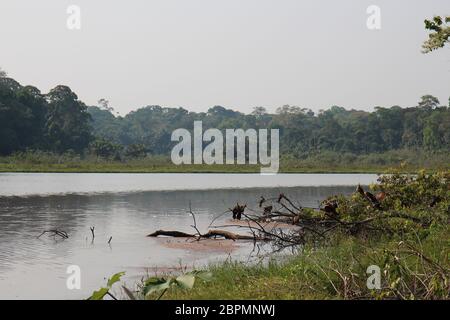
column 126, row 207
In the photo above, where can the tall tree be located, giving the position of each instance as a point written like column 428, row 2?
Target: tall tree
column 259, row 111
column 67, row 125
column 428, row 102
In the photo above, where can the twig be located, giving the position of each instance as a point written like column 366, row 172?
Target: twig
column 93, row 233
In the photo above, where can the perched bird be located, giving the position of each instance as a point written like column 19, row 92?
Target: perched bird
column 372, row 199
column 380, row 196
column 360, row 190
column 268, row 210
column 330, row 207
column 261, row 201
column 238, row 210
column 235, row 211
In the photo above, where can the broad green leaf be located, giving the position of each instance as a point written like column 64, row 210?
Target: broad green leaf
column 186, row 281
column 203, row 275
column 114, row 278
column 99, row 294
column 156, row 284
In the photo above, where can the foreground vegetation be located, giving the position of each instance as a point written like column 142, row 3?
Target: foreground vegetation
column 337, row 271
column 332, row 162
column 403, row 232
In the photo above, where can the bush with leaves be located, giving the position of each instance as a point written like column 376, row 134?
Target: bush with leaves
column 105, row 291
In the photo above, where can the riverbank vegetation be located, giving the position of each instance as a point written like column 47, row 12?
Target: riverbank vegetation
column 398, row 230
column 328, row 161
column 408, row 241
column 409, row 270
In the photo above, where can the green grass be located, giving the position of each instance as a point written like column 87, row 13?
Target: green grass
column 326, row 162
column 332, row 272
column 152, row 168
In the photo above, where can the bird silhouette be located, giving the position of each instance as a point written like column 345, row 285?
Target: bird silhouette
column 372, row 199
column 380, row 196
column 268, row 210
column 360, row 190
column 261, row 201
column 330, row 207
column 238, row 210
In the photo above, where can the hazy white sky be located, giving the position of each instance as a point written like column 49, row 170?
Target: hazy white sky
column 235, row 53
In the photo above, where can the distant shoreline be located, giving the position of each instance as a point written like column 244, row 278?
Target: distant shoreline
column 405, row 161
column 199, row 169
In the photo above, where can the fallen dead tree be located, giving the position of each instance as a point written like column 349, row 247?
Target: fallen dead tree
column 210, row 234
column 213, row 233
column 361, row 214
column 175, row 234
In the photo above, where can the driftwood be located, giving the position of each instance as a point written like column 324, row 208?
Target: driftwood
column 229, row 235
column 175, row 234
column 214, row 233
column 209, row 234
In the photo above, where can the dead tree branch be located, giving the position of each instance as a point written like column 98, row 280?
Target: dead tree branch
column 55, row 233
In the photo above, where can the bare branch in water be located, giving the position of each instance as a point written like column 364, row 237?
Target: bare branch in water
column 55, row 233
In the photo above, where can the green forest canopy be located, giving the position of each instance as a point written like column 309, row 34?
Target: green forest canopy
column 59, row 122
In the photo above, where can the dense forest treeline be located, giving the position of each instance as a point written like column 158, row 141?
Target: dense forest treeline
column 59, row 122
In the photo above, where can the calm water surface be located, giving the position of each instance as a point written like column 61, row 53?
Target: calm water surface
column 126, row 207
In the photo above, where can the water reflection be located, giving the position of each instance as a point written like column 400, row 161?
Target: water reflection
column 36, row 268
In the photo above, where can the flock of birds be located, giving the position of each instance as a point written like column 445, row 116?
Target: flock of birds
column 330, row 207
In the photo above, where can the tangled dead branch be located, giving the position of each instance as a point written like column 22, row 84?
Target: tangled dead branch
column 288, row 223
column 54, row 233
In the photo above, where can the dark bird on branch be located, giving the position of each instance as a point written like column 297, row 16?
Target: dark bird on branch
column 360, row 190
column 238, row 210
column 261, row 201
column 330, row 207
column 268, row 210
column 372, row 199
column 380, row 196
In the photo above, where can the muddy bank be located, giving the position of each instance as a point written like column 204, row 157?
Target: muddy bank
column 203, row 245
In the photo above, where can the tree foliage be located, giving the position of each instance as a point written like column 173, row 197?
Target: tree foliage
column 302, row 132
column 59, row 122
column 440, row 33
